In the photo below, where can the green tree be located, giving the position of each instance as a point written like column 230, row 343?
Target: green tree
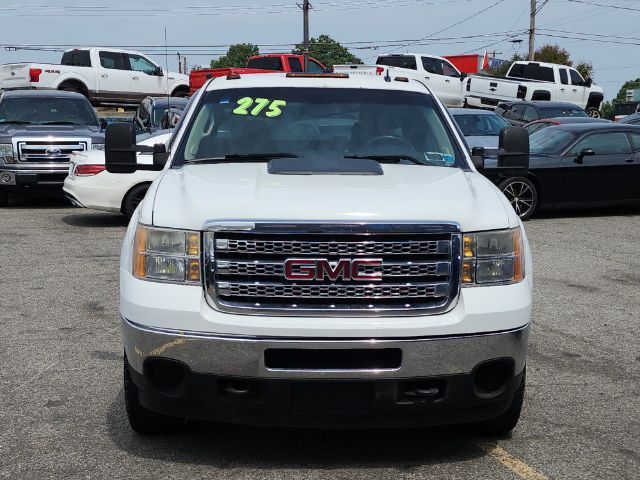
column 237, row 56
column 609, row 108
column 550, row 54
column 328, row 51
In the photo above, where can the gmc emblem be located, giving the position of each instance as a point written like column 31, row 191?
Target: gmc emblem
column 308, row 269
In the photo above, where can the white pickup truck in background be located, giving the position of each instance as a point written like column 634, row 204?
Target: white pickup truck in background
column 534, row 81
column 103, row 75
column 437, row 73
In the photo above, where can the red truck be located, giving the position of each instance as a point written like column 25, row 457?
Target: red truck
column 271, row 63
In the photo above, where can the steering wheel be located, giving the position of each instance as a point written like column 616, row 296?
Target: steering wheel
column 389, row 140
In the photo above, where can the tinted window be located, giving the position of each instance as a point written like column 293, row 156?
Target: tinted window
column 516, row 112
column 480, row 124
column 77, row 58
column 143, row 118
column 141, row 64
column 402, row 61
column 448, row 69
column 564, row 78
column 295, row 65
column 265, row 63
column 537, row 126
column 532, row 71
column 158, row 113
column 529, row 114
column 112, row 60
column 39, row 110
column 635, row 141
column 432, row 65
column 576, row 78
column 550, row 141
column 315, row 67
column 603, row 144
column 568, row 111
column 320, row 124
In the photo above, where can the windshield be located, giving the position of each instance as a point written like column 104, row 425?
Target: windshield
column 550, row 141
column 555, row 112
column 480, row 125
column 319, row 123
column 47, row 110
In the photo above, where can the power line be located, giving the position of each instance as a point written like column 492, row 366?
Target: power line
column 617, row 7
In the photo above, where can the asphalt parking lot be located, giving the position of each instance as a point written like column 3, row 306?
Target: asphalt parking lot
column 62, row 412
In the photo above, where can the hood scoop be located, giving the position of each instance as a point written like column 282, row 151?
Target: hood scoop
column 317, row 166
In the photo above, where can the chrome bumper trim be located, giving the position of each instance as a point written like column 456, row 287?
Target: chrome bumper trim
column 244, row 356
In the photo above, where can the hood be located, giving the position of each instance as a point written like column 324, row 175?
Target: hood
column 190, row 196
column 9, row 131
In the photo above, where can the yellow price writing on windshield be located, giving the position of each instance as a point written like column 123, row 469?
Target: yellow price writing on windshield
column 250, row 106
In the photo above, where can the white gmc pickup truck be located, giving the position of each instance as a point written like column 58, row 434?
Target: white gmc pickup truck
column 320, row 250
column 102, row 75
column 437, row 73
column 535, row 81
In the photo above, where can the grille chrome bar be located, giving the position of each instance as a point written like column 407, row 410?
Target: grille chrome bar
column 49, row 150
column 389, row 269
column 245, row 268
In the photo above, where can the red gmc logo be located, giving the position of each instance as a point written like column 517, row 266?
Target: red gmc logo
column 308, row 269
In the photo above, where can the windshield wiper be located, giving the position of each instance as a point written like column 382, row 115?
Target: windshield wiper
column 389, row 158
column 229, row 157
column 16, row 122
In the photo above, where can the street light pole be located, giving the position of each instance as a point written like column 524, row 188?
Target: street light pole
column 532, row 30
column 305, row 49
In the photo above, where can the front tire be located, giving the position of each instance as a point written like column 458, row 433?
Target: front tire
column 522, row 195
column 133, row 199
column 503, row 424
column 141, row 419
column 593, row 112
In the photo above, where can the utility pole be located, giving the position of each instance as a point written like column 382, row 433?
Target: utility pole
column 306, row 6
column 532, row 30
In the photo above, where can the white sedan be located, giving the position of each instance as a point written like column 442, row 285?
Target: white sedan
column 89, row 185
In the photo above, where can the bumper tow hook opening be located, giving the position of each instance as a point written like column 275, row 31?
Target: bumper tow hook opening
column 424, row 390
column 236, row 387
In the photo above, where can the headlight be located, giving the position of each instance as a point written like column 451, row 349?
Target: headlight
column 97, row 146
column 492, row 258
column 164, row 255
column 6, row 153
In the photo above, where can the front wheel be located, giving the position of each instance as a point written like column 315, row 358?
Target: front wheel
column 522, row 194
column 507, row 421
column 593, row 112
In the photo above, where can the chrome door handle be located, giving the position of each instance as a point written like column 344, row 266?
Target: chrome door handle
column 628, row 160
column 562, row 90
column 136, row 78
column 575, row 89
column 447, row 81
column 427, row 78
column 104, row 75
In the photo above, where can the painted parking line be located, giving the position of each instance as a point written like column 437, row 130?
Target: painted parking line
column 512, row 463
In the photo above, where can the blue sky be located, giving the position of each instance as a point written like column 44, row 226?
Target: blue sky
column 207, row 22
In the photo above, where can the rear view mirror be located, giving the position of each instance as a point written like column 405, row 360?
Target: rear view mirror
column 588, row 83
column 513, row 152
column 159, row 72
column 120, row 148
column 103, row 123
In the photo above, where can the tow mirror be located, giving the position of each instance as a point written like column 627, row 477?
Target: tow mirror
column 120, row 148
column 160, row 156
column 587, row 152
column 477, row 157
column 513, row 151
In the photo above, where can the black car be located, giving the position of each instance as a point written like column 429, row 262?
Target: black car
column 158, row 113
column 577, row 165
column 549, row 122
column 521, row 113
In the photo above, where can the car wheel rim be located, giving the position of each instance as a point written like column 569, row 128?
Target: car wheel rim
column 521, row 197
column 594, row 113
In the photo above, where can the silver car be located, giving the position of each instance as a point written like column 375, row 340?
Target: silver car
column 481, row 128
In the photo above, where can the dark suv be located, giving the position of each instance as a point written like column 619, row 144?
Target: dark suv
column 39, row 131
column 158, row 113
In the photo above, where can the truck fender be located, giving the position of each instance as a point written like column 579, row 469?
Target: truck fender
column 541, row 95
column 74, row 78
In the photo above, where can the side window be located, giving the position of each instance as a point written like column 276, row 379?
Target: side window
column 77, row 58
column 315, row 67
column 448, row 70
column 564, row 78
column 295, row 65
column 516, row 112
column 529, row 114
column 112, row 61
column 635, row 141
column 603, row 144
column 432, row 65
column 576, row 78
column 141, row 64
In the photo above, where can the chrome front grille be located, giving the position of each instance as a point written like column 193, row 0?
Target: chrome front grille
column 416, row 268
column 51, row 151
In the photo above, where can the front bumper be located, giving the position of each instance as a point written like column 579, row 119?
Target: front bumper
column 32, row 180
column 227, row 378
